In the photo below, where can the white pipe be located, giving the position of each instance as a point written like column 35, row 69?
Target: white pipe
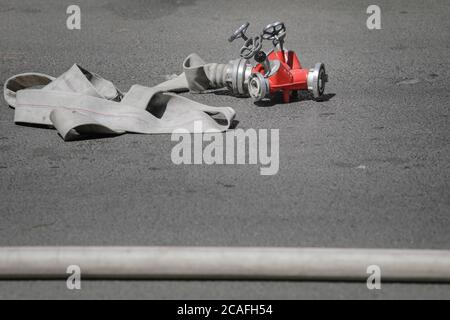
column 224, row 263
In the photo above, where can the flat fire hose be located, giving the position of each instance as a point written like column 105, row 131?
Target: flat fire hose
column 225, row 263
column 80, row 103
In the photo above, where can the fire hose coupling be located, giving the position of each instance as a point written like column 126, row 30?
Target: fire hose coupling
column 237, row 74
column 316, row 80
column 202, row 76
column 258, row 87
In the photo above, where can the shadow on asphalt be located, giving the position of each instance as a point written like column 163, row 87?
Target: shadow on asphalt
column 301, row 96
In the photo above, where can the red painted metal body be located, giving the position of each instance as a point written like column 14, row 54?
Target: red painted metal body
column 289, row 77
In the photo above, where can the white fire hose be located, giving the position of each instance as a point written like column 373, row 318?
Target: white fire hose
column 224, row 263
column 80, row 103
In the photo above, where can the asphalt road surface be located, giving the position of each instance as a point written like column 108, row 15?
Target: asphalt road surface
column 367, row 168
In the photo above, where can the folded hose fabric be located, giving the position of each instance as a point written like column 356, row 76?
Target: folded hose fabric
column 80, row 104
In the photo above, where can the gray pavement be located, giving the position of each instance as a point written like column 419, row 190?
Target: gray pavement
column 368, row 168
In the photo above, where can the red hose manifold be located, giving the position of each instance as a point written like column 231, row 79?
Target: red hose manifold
column 279, row 70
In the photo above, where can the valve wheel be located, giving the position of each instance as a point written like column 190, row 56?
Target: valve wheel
column 251, row 47
column 273, row 30
column 240, row 33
